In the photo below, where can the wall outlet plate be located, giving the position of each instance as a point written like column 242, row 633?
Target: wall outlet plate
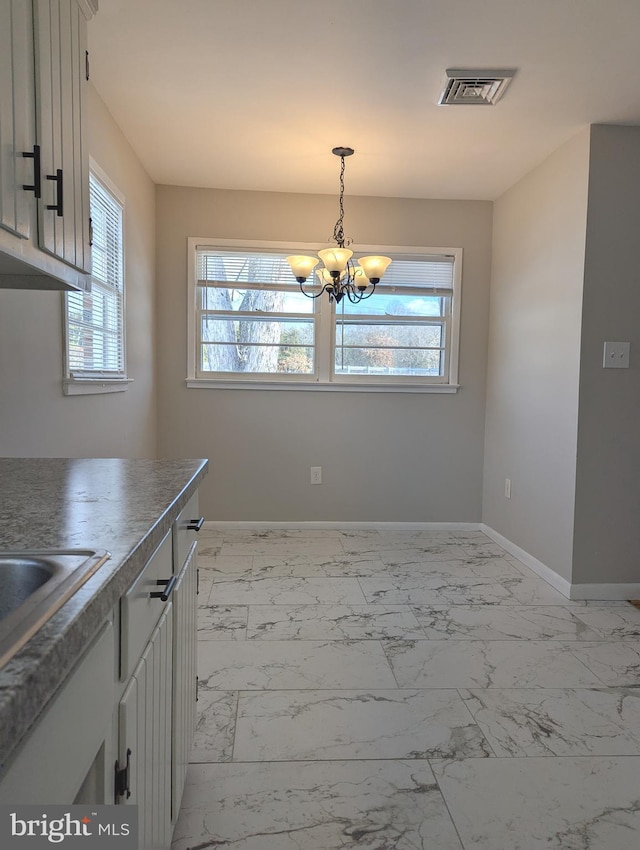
column 616, row 355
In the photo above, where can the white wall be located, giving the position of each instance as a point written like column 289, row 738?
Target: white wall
column 607, row 520
column 36, row 419
column 534, row 356
column 395, row 457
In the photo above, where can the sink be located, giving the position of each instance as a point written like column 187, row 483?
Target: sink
column 34, row 585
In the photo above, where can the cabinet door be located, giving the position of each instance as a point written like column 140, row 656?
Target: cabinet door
column 17, row 132
column 184, row 672
column 145, row 737
column 60, row 53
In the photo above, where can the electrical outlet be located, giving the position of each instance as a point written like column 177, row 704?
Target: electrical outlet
column 616, row 355
column 316, row 475
column 507, row 488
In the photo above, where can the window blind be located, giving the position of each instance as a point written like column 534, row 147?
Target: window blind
column 247, row 267
column 95, row 320
column 434, row 273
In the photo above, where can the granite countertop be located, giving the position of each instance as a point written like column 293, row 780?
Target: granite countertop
column 123, row 506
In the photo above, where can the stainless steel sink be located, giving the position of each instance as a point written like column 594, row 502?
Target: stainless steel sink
column 34, row 585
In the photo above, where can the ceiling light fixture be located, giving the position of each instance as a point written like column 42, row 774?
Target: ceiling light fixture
column 341, row 275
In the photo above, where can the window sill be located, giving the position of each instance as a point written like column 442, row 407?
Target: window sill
column 93, row 386
column 297, row 386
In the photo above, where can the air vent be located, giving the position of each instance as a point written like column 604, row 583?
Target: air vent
column 474, row 88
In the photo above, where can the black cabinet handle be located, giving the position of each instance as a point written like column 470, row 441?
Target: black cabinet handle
column 122, row 778
column 169, row 583
column 57, row 178
column 195, row 524
column 36, row 188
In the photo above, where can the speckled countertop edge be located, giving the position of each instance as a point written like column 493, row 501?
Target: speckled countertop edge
column 32, row 677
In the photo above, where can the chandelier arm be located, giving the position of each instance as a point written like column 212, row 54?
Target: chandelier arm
column 369, row 294
column 310, row 294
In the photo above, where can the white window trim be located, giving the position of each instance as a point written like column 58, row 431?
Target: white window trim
column 105, row 383
column 322, row 383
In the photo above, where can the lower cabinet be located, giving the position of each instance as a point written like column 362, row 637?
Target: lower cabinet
column 157, row 711
column 120, row 728
column 143, row 773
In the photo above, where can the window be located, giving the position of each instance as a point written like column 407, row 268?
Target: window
column 249, row 324
column 95, row 352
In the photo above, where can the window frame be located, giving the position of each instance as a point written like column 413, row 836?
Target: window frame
column 97, row 381
column 325, row 378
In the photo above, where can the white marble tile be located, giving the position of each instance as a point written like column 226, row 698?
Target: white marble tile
column 215, row 727
column 494, row 622
column 486, row 664
column 248, row 665
column 232, row 534
column 332, row 622
column 456, row 570
column 558, row 722
column 208, row 548
column 435, row 590
column 338, row 566
column 535, row 591
column 543, row 803
column 612, row 622
column 222, row 622
column 227, row 565
column 483, row 548
column 286, row 591
column 373, row 805
column 616, row 663
column 354, row 724
column 396, row 554
column 292, row 545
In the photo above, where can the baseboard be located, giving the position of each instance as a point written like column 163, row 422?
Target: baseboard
column 605, row 591
column 608, row 592
column 545, row 572
column 344, row 526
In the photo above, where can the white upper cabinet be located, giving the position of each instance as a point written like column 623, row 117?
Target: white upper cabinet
column 44, row 165
column 17, row 117
column 61, row 77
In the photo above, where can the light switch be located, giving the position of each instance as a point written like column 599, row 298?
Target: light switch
column 616, row 355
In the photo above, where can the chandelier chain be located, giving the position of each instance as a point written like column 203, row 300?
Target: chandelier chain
column 338, row 230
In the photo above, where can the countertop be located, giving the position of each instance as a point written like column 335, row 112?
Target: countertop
column 123, row 506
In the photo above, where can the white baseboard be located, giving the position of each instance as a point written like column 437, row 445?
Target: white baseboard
column 344, row 526
column 605, row 591
column 571, row 591
column 545, row 572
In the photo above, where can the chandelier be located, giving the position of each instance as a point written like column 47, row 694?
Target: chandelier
column 341, row 275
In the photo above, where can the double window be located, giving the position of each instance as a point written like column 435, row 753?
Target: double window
column 251, row 324
column 94, row 321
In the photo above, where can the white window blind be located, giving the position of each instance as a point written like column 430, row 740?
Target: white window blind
column 95, row 320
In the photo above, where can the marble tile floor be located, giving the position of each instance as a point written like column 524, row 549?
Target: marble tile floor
column 406, row 690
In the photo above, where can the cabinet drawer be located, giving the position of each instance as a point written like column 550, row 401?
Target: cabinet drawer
column 140, row 611
column 185, row 532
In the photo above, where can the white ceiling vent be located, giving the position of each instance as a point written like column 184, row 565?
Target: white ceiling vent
column 474, row 87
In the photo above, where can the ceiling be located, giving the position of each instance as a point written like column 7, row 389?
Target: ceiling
column 253, row 94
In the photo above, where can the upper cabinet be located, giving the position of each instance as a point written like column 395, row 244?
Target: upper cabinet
column 44, row 164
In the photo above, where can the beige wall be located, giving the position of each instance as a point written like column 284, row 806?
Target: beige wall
column 534, row 356
column 394, row 457
column 607, row 520
column 36, row 419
